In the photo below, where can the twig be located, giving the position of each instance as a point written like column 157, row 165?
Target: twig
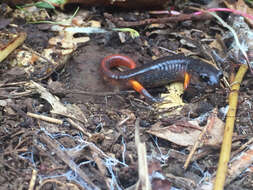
column 244, row 146
column 78, row 127
column 13, row 84
column 59, row 122
column 17, row 94
column 241, row 162
column 210, row 124
column 33, row 179
column 178, row 18
column 5, row 51
column 229, row 127
column 45, row 118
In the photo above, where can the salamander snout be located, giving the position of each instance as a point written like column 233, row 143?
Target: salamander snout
column 212, row 79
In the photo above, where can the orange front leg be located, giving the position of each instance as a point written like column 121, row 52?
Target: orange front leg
column 187, row 78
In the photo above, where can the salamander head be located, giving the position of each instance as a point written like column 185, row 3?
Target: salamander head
column 206, row 72
column 212, row 79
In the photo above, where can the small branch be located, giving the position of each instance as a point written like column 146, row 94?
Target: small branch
column 241, row 162
column 33, row 179
column 209, row 125
column 45, row 118
column 11, row 46
column 178, row 18
column 229, row 127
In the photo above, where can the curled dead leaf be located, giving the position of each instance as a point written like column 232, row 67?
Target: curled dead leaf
column 186, row 133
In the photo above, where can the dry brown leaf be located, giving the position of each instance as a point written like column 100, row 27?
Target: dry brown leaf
column 216, row 44
column 187, row 133
column 185, row 51
column 215, row 134
column 69, row 110
column 178, row 134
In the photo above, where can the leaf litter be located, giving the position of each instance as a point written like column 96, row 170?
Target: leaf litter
column 84, row 139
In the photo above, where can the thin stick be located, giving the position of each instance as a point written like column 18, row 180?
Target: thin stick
column 209, row 125
column 45, row 118
column 11, row 46
column 58, row 121
column 33, row 179
column 240, row 163
column 169, row 19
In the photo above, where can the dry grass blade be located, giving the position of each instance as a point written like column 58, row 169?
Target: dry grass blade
column 142, row 160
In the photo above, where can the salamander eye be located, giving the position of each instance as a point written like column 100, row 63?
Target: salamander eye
column 204, row 77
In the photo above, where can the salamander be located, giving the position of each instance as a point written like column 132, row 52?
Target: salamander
column 159, row 72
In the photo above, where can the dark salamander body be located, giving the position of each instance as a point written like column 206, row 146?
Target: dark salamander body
column 161, row 71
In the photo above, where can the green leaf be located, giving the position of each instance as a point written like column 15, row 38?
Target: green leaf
column 43, row 4
column 133, row 33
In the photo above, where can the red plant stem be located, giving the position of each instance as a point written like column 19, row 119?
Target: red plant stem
column 226, row 10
